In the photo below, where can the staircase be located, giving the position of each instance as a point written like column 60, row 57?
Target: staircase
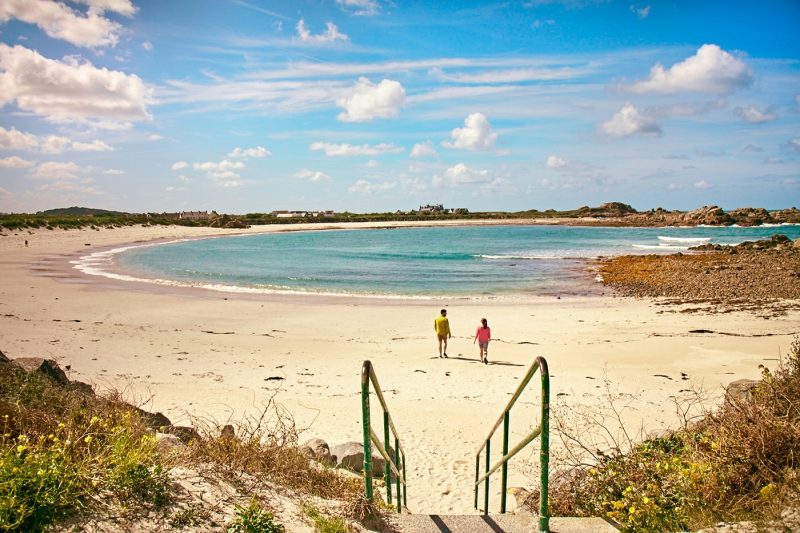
column 494, row 523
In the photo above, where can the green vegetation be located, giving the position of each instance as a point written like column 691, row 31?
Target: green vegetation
column 324, row 524
column 740, row 462
column 254, row 519
column 59, row 447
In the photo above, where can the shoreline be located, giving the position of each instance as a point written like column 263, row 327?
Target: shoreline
column 194, row 355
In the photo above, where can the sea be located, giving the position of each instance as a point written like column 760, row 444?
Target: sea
column 418, row 262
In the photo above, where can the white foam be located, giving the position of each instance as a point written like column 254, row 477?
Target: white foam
column 662, row 246
column 693, row 240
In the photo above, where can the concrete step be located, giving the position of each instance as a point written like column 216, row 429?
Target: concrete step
column 495, row 523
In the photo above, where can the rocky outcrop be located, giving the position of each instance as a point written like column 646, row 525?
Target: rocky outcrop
column 46, row 367
column 350, row 455
column 751, row 216
column 318, row 450
column 711, row 215
column 740, row 390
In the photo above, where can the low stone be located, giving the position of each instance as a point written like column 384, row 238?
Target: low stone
column 227, row 432
column 318, row 450
column 350, row 455
column 47, row 367
column 520, row 495
column 740, row 390
column 166, row 442
column 81, row 387
column 3, row 358
column 185, row 433
column 154, row 420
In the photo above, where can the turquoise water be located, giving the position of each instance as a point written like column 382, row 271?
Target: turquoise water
column 440, row 261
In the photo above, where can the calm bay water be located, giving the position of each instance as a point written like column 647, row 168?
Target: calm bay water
column 440, row 261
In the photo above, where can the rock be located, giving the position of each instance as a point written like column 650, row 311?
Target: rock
column 185, row 433
column 166, row 442
column 709, row 214
column 520, row 495
column 796, row 243
column 227, row 432
column 350, row 455
column 3, row 358
column 81, row 387
column 154, row 420
column 48, row 367
column 318, row 450
column 740, row 390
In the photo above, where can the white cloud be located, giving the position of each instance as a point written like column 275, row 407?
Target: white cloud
column 711, row 69
column 476, row 134
column 154, row 137
column 702, row 184
column 147, row 45
column 179, row 165
column 333, row 149
column 113, row 172
column 754, row 115
column 258, row 151
column 311, row 175
column 54, row 170
column 14, row 139
column 628, row 121
column 641, row 12
column 123, row 7
column 59, row 21
column 221, row 169
column 556, row 162
column 516, row 75
column 461, row 174
column 15, row 162
column 70, row 90
column 369, row 101
column 332, row 34
column 94, row 146
column 367, row 187
column 425, row 149
column 361, row 8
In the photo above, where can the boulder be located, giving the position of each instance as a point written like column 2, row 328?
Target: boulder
column 710, row 214
column 81, row 387
column 154, row 420
column 318, row 450
column 185, row 433
column 3, row 358
column 166, row 442
column 350, row 455
column 227, row 432
column 740, row 390
column 47, row 367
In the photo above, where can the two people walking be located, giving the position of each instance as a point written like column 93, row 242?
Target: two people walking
column 482, row 335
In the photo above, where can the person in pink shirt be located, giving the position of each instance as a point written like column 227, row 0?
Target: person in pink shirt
column 483, row 335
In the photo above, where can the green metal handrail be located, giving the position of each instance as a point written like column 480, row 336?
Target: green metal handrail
column 392, row 465
column 544, row 455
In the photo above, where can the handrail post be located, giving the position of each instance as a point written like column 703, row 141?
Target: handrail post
column 504, row 478
column 366, row 369
column 397, row 479
column 387, row 469
column 486, row 483
column 405, row 499
column 477, row 475
column 544, row 454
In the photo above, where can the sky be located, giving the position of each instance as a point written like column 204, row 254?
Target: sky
column 247, row 106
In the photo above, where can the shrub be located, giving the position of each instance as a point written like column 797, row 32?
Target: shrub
column 253, row 519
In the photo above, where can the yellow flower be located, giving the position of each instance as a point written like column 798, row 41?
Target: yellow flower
column 21, row 448
column 40, row 473
column 632, row 510
column 87, row 439
column 94, row 420
column 646, row 499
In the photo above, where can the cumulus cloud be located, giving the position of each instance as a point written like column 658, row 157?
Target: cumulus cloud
column 178, row 165
column 15, row 162
column 641, row 12
column 59, row 21
column 425, row 149
column 461, row 174
column 628, row 121
column 70, row 90
column 476, row 134
column 711, row 69
column 312, row 175
column 754, row 115
column 702, row 184
column 336, row 150
column 147, row 45
column 14, row 139
column 367, row 187
column 221, row 169
column 556, row 162
column 361, row 8
column 332, row 34
column 113, row 172
column 55, row 170
column 368, row 101
column 244, row 153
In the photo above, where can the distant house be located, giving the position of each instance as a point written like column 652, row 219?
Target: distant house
column 303, row 214
column 436, row 208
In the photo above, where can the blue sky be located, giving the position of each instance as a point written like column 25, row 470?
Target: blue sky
column 374, row 105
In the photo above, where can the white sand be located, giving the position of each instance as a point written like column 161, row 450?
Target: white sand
column 154, row 343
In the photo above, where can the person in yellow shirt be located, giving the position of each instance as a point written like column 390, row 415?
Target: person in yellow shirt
column 442, row 327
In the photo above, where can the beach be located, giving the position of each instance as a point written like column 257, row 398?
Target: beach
column 194, row 354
